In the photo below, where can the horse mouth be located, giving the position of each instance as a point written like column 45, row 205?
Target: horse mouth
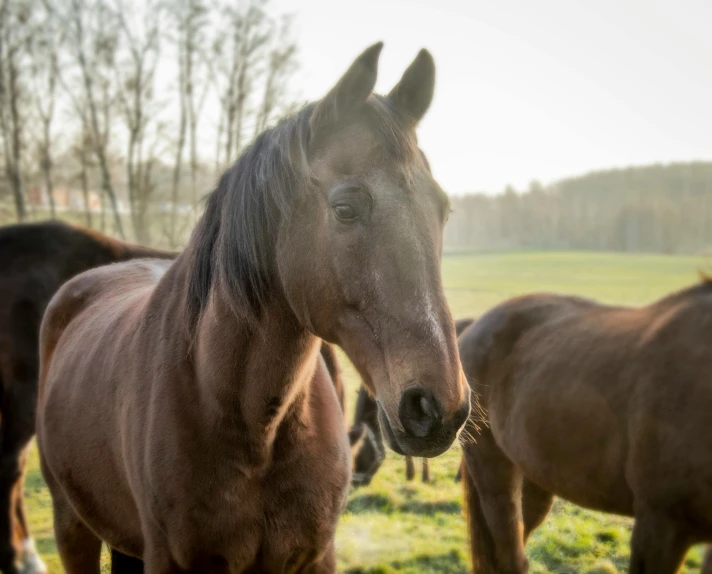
column 414, row 446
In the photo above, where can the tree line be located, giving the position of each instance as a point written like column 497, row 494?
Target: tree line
column 137, row 102
column 656, row 208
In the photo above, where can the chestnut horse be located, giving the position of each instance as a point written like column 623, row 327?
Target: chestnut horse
column 183, row 416
column 36, row 259
column 369, row 455
column 607, row 407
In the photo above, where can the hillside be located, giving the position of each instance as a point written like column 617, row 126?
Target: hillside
column 656, row 208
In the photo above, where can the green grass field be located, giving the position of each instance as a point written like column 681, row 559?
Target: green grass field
column 396, row 527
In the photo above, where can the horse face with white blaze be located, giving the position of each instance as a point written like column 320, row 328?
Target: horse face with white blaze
column 376, row 222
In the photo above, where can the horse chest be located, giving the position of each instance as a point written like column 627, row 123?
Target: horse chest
column 260, row 524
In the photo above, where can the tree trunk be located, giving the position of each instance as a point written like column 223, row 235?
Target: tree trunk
column 47, row 165
column 15, row 175
column 99, row 141
column 179, row 151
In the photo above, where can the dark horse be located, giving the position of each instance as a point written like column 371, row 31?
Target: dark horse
column 183, row 415
column 370, row 453
column 607, row 407
column 36, row 259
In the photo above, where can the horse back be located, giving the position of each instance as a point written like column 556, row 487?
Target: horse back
column 101, row 297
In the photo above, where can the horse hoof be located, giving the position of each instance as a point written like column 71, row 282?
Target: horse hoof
column 30, row 560
column 35, row 565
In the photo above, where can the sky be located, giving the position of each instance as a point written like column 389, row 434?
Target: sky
column 530, row 89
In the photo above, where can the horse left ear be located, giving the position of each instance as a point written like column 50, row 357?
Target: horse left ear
column 351, row 91
column 413, row 94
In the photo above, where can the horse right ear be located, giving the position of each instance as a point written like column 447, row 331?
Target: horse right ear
column 351, row 91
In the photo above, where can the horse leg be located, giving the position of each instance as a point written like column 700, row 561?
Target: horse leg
column 658, row 546
column 30, row 558
column 493, row 489
column 409, row 468
column 157, row 560
column 707, row 562
column 123, row 564
column 536, row 504
column 78, row 547
column 18, row 427
column 426, row 470
column 326, row 564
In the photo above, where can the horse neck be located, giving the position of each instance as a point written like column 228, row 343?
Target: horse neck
column 251, row 377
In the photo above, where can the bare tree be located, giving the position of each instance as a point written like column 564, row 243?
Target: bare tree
column 191, row 19
column 82, row 152
column 92, row 38
column 136, row 96
column 43, row 49
column 14, row 33
column 103, row 61
column 253, row 47
column 281, row 64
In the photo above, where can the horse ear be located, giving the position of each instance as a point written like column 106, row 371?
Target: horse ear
column 413, row 94
column 352, row 90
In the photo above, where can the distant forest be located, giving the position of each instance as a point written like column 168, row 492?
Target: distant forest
column 657, row 208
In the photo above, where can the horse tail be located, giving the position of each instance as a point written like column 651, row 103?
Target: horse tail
column 123, row 564
column 482, row 551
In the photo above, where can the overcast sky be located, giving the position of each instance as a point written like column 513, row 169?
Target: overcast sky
column 531, row 89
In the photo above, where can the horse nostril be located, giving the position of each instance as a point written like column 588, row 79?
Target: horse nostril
column 418, row 412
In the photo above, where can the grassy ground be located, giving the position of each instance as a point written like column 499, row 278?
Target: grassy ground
column 396, row 527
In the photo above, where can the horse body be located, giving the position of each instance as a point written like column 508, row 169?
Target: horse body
column 603, row 406
column 156, row 476
column 36, row 258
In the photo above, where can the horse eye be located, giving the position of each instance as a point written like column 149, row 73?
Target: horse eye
column 345, row 212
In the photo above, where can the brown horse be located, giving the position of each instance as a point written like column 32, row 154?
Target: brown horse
column 36, row 259
column 607, row 407
column 183, row 416
column 369, row 455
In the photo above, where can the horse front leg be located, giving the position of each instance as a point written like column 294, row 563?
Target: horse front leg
column 426, row 470
column 409, row 468
column 659, row 544
column 493, row 498
column 326, row 564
